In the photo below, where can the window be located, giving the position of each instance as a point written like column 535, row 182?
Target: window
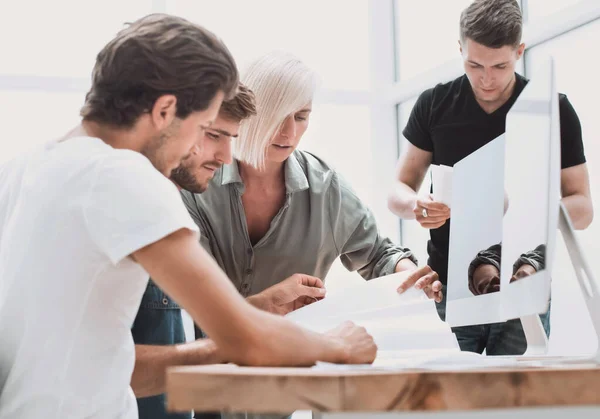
column 35, row 118
column 332, row 37
column 61, row 37
column 427, row 33
column 413, row 235
column 541, row 8
column 576, row 70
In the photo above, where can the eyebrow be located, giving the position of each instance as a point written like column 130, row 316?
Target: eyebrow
column 223, row 132
column 305, row 110
column 495, row 65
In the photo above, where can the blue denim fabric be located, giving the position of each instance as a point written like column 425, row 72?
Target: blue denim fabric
column 158, row 322
column 506, row 338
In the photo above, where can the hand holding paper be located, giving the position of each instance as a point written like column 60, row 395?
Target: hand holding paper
column 423, row 278
column 431, row 214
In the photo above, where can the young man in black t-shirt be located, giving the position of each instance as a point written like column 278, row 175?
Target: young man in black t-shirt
column 452, row 120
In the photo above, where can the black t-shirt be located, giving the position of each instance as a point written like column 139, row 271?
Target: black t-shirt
column 447, row 121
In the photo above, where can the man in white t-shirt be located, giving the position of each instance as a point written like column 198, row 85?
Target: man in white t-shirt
column 85, row 220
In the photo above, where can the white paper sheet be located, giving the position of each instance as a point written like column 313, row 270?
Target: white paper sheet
column 441, row 178
column 434, row 360
column 397, row 322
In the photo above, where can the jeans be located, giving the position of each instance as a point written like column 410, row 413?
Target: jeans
column 505, row 338
column 158, row 322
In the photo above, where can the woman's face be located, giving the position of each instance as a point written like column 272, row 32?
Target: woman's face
column 285, row 141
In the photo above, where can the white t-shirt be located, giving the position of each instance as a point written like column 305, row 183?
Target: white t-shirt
column 70, row 214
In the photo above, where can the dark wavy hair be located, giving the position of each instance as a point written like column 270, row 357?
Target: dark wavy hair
column 157, row 55
column 492, row 23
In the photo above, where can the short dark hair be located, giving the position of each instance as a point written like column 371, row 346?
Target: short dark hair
column 157, row 55
column 241, row 106
column 492, row 23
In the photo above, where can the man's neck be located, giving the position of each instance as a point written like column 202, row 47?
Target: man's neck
column 117, row 138
column 491, row 107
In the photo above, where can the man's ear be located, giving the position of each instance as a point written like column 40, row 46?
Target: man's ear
column 520, row 51
column 164, row 112
column 460, row 47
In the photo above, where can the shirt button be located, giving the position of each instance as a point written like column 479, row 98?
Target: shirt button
column 248, row 271
column 165, row 301
column 249, row 251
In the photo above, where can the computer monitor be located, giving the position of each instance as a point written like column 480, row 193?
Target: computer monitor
column 505, row 203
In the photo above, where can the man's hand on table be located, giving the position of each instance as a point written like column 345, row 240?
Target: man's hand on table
column 358, row 345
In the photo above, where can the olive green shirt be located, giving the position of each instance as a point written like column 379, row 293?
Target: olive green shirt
column 322, row 219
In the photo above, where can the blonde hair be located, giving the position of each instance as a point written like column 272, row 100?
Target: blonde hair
column 282, row 85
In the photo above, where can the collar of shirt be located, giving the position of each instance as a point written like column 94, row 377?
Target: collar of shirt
column 295, row 178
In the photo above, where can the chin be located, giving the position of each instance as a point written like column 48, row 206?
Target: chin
column 196, row 188
column 489, row 97
column 279, row 157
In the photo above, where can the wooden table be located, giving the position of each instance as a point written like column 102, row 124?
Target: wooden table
column 283, row 390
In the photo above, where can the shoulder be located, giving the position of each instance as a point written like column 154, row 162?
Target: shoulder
column 569, row 120
column 565, row 105
column 320, row 174
column 444, row 91
column 127, row 175
column 443, row 95
column 323, row 177
column 312, row 164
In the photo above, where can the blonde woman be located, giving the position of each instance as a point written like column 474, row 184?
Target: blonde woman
column 288, row 211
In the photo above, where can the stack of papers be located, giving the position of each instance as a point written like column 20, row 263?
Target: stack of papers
column 406, row 327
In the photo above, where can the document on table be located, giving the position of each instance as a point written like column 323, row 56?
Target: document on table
column 441, row 179
column 401, row 324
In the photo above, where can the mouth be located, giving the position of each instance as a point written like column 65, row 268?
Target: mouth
column 282, row 147
column 211, row 169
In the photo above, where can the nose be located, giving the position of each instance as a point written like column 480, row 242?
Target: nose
column 288, row 128
column 223, row 154
column 487, row 78
column 196, row 148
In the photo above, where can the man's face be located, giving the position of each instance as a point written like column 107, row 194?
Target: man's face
column 486, row 279
column 179, row 140
column 197, row 169
column 490, row 70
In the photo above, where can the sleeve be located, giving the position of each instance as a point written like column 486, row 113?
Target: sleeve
column 535, row 258
column 417, row 130
column 190, row 202
column 131, row 205
column 571, row 141
column 357, row 237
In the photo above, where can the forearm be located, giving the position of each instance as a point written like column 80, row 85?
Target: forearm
column 244, row 334
column 152, row 361
column 279, row 342
column 405, row 264
column 259, row 301
column 389, row 259
column 402, row 201
column 580, row 210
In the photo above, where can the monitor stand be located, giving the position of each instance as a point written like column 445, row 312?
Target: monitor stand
column 537, row 342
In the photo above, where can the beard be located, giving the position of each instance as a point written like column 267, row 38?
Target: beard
column 154, row 150
column 185, row 180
